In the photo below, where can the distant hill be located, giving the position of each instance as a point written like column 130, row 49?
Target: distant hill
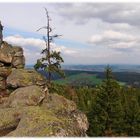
column 100, row 68
column 127, row 74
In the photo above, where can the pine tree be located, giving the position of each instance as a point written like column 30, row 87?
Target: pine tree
column 51, row 60
column 132, row 113
column 106, row 117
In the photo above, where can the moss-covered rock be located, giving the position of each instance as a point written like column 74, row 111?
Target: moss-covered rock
column 26, row 96
column 24, row 77
column 57, row 103
column 37, row 122
column 28, row 110
column 43, row 120
column 9, row 119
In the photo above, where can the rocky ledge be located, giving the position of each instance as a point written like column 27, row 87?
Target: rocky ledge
column 27, row 108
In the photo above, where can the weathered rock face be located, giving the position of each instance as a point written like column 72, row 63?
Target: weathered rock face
column 29, row 109
column 54, row 115
column 6, row 53
column 12, row 55
column 28, row 96
column 23, row 78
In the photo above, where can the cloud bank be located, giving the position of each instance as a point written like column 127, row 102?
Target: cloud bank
column 107, row 32
column 33, row 46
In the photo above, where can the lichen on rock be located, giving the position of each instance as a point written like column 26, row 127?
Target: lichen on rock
column 38, row 121
column 29, row 110
column 27, row 96
column 24, row 77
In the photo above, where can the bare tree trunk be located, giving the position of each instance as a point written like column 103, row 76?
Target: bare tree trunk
column 48, row 46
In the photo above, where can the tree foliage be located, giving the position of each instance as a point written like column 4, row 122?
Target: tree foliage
column 107, row 114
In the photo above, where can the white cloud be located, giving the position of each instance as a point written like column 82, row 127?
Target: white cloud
column 19, row 40
column 116, row 40
column 33, row 46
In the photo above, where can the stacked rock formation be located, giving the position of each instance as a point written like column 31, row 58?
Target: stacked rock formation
column 10, row 57
column 29, row 109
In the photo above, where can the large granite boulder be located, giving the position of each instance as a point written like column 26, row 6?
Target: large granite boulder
column 8, row 120
column 53, row 116
column 12, row 55
column 58, row 103
column 6, row 53
column 27, row 96
column 23, row 77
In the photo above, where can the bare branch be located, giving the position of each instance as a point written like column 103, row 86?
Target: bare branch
column 56, row 35
column 44, row 27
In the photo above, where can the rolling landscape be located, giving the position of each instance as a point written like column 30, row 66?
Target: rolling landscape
column 92, row 75
column 69, row 69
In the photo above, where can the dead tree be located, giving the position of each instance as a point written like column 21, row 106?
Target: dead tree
column 52, row 60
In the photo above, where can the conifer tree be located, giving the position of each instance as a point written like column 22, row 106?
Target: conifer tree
column 51, row 60
column 132, row 114
column 106, row 118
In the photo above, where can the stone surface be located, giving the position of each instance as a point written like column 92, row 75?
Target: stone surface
column 58, row 103
column 27, row 108
column 6, row 53
column 42, row 121
column 8, row 120
column 26, row 96
column 24, row 77
column 18, row 51
column 18, row 62
column 12, row 55
column 2, row 83
column 4, row 71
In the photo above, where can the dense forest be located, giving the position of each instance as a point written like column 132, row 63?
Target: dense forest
column 112, row 109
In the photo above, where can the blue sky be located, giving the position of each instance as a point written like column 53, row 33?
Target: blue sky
column 102, row 33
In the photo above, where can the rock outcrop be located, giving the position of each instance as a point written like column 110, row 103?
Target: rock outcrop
column 27, row 108
column 24, row 77
column 12, row 72
column 12, row 55
column 27, row 113
column 27, row 96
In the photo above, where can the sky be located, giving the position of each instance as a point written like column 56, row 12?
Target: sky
column 92, row 33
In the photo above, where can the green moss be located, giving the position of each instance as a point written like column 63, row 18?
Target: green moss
column 7, row 117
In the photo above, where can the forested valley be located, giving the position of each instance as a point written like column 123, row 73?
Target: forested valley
column 112, row 109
